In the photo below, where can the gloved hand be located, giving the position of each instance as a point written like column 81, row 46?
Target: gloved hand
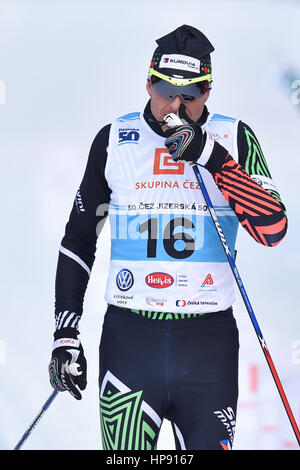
column 189, row 143
column 68, row 367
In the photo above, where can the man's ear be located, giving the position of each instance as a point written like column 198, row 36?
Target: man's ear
column 207, row 94
column 148, row 87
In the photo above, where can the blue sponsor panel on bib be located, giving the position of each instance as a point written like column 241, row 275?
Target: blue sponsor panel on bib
column 170, row 237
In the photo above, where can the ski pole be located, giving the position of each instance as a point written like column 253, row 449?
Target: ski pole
column 247, row 302
column 173, row 120
column 36, row 420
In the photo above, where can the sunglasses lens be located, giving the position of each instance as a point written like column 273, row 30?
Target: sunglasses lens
column 169, row 91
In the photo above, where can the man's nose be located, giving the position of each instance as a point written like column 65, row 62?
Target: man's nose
column 175, row 104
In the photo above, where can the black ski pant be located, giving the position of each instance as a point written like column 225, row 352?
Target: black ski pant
column 183, row 370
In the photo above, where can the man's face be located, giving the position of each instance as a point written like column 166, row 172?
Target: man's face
column 160, row 106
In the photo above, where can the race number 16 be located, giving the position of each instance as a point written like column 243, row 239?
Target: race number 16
column 177, row 242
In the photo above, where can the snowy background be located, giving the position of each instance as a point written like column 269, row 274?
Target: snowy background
column 66, row 69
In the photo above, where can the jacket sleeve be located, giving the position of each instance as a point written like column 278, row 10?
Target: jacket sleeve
column 78, row 245
column 248, row 187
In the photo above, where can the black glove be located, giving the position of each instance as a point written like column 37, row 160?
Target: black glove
column 185, row 142
column 68, row 367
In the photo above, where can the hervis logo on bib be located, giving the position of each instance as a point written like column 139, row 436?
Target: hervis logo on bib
column 159, row 280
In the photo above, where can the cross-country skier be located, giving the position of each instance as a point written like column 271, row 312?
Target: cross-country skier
column 169, row 344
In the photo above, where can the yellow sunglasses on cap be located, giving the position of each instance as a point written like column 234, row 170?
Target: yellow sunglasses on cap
column 189, row 89
column 179, row 81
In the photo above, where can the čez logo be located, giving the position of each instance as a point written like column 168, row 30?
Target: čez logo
column 124, row 280
column 128, row 136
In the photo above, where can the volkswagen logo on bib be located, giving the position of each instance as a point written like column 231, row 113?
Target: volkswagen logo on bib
column 124, row 279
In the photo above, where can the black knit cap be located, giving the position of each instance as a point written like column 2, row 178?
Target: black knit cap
column 187, row 43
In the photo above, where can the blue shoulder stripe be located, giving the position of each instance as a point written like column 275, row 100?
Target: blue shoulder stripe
column 129, row 117
column 220, row 117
